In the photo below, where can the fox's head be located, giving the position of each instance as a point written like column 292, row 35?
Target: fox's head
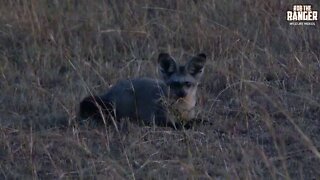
column 183, row 80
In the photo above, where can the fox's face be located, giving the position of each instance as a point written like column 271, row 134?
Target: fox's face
column 183, row 80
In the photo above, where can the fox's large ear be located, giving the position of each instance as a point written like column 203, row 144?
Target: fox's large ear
column 167, row 65
column 196, row 65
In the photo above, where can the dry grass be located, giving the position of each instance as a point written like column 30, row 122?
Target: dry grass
column 260, row 96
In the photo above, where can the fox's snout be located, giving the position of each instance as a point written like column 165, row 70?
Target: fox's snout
column 181, row 94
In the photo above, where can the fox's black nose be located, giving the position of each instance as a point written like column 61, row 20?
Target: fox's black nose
column 181, row 94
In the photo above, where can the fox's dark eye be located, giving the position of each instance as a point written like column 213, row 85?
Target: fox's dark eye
column 175, row 85
column 188, row 84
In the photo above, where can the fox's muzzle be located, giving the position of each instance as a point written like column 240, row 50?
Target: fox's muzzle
column 181, row 94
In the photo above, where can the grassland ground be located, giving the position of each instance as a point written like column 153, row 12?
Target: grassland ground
column 259, row 101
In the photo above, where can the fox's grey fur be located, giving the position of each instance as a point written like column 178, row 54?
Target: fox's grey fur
column 152, row 101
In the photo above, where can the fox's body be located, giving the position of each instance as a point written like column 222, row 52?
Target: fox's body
column 152, row 101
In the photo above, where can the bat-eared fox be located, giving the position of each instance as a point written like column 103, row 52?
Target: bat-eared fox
column 167, row 102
